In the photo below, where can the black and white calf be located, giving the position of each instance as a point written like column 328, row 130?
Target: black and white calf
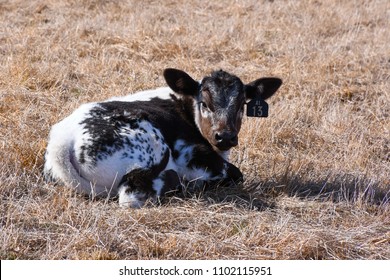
column 143, row 145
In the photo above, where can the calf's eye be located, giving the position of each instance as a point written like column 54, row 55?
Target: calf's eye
column 204, row 105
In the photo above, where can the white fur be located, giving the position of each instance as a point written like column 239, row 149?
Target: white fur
column 67, row 137
column 180, row 165
column 132, row 199
column 158, row 185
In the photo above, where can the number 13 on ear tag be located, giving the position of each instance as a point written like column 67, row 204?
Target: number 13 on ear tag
column 257, row 108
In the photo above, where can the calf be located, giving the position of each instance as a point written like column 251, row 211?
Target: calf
column 144, row 145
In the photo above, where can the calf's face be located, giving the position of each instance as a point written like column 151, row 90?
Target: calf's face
column 219, row 101
column 219, row 109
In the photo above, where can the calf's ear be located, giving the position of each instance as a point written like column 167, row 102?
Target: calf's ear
column 180, row 82
column 262, row 88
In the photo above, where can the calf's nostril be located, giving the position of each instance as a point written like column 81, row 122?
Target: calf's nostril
column 226, row 138
column 218, row 137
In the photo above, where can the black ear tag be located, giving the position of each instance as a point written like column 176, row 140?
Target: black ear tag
column 257, row 108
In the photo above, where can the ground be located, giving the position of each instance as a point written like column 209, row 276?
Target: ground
column 317, row 169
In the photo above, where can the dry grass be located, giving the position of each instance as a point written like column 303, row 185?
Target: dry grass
column 317, row 170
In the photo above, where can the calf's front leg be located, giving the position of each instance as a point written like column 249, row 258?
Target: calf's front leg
column 139, row 185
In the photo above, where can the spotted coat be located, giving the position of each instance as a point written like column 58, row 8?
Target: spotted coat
column 146, row 144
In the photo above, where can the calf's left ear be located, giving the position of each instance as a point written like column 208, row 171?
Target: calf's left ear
column 180, row 82
column 262, row 88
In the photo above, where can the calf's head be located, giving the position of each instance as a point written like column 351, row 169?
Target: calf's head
column 218, row 102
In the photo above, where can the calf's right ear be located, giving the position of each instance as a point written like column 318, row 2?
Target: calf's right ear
column 180, row 82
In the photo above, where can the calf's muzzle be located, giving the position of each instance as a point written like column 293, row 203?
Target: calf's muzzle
column 226, row 139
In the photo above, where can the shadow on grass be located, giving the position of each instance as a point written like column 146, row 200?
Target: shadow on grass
column 258, row 195
column 335, row 188
column 235, row 195
column 239, row 196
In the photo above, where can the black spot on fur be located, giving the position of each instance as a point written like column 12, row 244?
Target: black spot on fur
column 104, row 125
column 171, row 181
column 141, row 179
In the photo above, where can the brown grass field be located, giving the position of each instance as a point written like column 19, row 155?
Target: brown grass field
column 317, row 169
